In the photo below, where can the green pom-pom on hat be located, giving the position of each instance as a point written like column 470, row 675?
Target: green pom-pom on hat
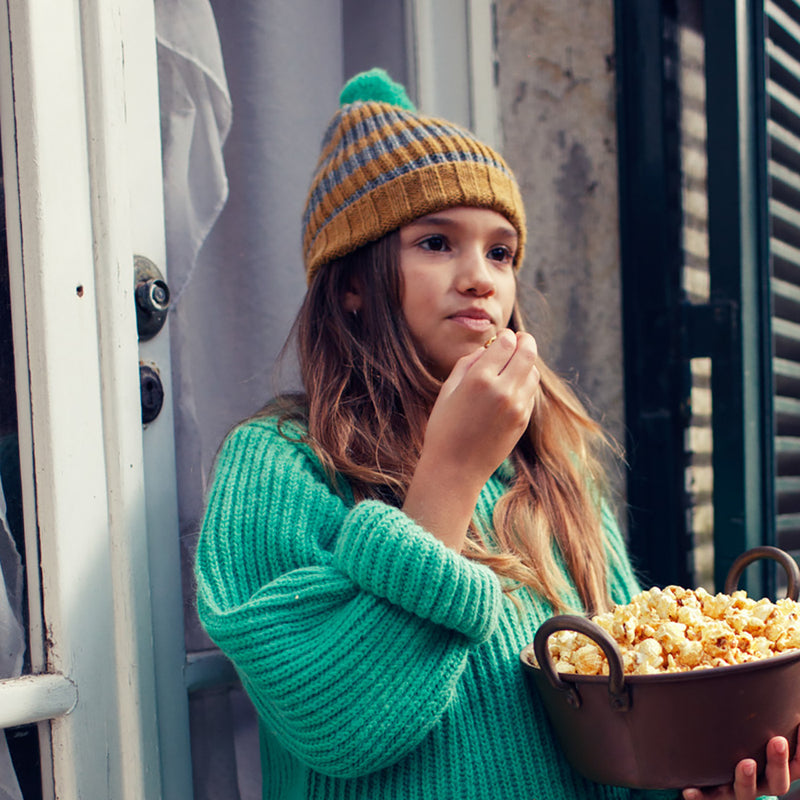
column 375, row 85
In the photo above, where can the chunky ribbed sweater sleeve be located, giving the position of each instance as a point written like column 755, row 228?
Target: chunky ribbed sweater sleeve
column 349, row 624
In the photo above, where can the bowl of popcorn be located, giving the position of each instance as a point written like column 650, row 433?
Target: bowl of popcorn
column 676, row 687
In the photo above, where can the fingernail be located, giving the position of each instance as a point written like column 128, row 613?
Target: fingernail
column 749, row 769
column 780, row 746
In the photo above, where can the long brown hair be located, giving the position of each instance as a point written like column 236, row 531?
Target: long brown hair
column 367, row 400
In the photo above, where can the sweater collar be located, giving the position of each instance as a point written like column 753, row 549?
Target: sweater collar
column 505, row 472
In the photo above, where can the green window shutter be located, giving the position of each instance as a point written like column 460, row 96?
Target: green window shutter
column 783, row 129
column 656, row 379
column 696, row 289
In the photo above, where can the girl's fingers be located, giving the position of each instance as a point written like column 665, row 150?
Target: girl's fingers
column 527, row 344
column 777, row 773
column 507, row 363
column 462, row 365
column 522, row 366
column 494, row 354
column 794, row 765
column 778, row 776
column 744, row 785
column 512, row 353
column 499, row 352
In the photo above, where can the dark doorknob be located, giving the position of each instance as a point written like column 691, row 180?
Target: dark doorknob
column 152, row 298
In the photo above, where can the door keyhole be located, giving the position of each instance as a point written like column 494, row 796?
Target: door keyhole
column 152, row 393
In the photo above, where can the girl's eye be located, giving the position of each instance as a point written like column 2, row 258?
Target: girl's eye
column 502, row 254
column 435, row 243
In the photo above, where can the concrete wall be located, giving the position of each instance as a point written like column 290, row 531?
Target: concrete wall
column 557, row 101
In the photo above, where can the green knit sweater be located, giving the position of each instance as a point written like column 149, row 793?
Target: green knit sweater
column 382, row 664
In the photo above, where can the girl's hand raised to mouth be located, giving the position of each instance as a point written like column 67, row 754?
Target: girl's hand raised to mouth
column 482, row 410
column 485, row 405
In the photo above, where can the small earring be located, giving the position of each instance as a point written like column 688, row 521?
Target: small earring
column 355, row 313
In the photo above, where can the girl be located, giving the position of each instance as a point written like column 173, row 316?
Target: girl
column 377, row 552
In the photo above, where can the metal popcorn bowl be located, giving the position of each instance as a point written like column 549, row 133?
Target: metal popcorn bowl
column 674, row 730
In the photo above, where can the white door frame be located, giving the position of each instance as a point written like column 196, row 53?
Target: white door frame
column 455, row 74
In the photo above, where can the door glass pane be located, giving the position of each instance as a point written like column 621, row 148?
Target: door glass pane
column 22, row 773
column 11, row 535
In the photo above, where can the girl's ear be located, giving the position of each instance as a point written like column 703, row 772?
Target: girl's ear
column 351, row 301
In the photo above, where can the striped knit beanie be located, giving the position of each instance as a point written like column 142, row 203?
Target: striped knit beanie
column 383, row 165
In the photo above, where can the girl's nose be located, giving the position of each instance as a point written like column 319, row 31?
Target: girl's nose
column 475, row 275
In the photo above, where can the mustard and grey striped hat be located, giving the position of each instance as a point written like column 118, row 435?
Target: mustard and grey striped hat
column 383, row 165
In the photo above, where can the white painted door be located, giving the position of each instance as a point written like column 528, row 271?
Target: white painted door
column 82, row 176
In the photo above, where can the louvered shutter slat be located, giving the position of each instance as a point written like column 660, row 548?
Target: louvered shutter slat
column 783, row 131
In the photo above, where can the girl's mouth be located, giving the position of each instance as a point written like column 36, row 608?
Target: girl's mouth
column 472, row 321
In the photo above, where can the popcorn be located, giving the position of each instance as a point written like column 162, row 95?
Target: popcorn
column 588, row 660
column 677, row 630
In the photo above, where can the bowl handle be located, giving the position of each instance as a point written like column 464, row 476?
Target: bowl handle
column 756, row 553
column 618, row 694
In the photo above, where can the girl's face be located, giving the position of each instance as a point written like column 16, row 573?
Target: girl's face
column 459, row 282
